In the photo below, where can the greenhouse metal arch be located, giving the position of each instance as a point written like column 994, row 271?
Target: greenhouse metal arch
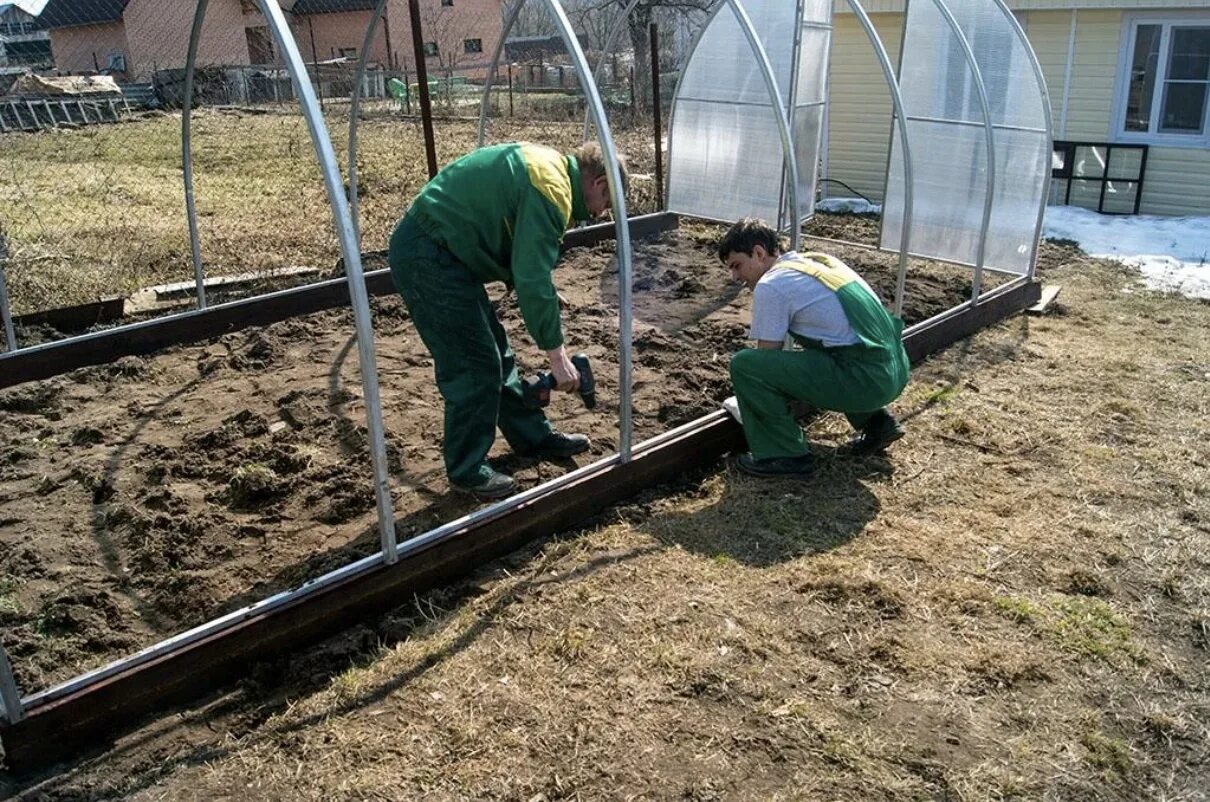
column 783, row 162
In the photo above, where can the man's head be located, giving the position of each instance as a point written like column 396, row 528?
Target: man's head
column 749, row 249
column 593, row 180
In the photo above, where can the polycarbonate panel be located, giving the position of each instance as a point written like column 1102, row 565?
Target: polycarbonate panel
column 722, row 67
column 727, row 161
column 818, row 11
column 812, row 66
column 725, row 151
column 948, row 139
column 949, row 166
column 808, row 137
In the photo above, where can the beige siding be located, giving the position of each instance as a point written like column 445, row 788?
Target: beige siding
column 859, row 114
column 1177, row 181
column 1177, row 178
column 1094, row 72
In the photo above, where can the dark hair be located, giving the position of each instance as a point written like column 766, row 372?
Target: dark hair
column 746, row 235
column 592, row 164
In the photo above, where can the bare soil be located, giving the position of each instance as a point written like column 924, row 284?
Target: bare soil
column 1012, row 604
column 143, row 497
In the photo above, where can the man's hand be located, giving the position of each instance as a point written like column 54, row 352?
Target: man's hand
column 567, row 378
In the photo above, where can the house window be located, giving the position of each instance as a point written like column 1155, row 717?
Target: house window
column 347, row 52
column 447, row 2
column 116, row 62
column 431, row 49
column 472, row 45
column 1164, row 82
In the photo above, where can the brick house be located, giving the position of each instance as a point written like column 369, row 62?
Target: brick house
column 132, row 39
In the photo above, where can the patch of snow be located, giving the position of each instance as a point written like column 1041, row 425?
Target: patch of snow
column 1172, row 253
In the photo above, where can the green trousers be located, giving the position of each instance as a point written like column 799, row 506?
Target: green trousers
column 474, row 365
column 852, row 380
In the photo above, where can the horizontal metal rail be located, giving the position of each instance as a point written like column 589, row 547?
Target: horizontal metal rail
column 972, row 124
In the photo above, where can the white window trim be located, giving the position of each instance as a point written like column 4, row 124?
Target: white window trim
column 1117, row 132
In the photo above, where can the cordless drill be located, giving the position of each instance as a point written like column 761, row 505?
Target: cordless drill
column 537, row 390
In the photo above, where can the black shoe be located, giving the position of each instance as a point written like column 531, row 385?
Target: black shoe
column 496, row 486
column 557, row 445
column 878, row 433
column 777, row 467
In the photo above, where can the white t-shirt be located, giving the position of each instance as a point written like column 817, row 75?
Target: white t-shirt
column 788, row 300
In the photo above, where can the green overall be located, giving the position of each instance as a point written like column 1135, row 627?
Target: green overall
column 857, row 380
column 497, row 214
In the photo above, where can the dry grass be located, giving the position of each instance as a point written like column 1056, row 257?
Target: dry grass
column 1013, row 605
column 100, row 211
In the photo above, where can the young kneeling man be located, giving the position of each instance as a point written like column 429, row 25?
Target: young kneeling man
column 850, row 357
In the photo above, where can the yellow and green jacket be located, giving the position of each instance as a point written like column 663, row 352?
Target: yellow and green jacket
column 502, row 211
column 879, row 332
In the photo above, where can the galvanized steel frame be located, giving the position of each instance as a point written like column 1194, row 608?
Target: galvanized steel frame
column 195, row 247
column 355, row 112
column 783, row 124
column 900, row 113
column 1048, row 118
column 351, row 251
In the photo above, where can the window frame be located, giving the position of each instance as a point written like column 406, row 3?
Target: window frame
column 466, row 46
column 1117, row 124
column 432, row 49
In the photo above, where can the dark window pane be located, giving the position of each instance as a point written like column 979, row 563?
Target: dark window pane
column 1184, row 108
column 1142, row 78
column 1089, row 161
column 1190, row 58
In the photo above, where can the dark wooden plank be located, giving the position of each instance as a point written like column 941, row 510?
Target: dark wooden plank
column 54, row 359
column 938, row 335
column 75, row 318
column 95, row 713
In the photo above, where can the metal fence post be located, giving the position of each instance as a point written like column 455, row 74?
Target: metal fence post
column 422, row 84
column 656, row 123
column 905, row 234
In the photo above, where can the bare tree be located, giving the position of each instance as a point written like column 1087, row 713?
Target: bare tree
column 446, row 28
column 594, row 19
column 638, row 26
